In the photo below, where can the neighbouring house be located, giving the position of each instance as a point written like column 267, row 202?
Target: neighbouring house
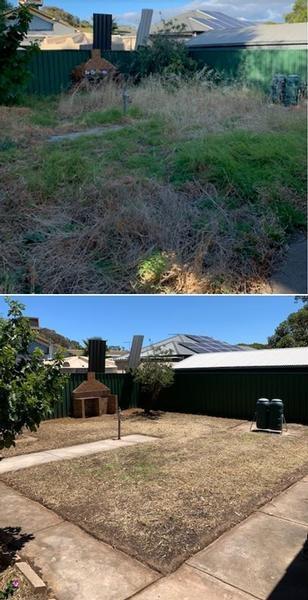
column 50, row 33
column 181, row 346
column 80, row 364
column 40, row 341
column 196, row 22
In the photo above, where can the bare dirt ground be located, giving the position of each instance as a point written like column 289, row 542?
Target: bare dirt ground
column 166, row 500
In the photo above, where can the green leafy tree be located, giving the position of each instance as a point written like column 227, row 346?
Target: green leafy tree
column 14, row 72
column 62, row 15
column 298, row 13
column 292, row 332
column 29, row 388
column 154, row 374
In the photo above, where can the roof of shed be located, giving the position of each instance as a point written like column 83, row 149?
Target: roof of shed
column 256, row 35
column 276, row 357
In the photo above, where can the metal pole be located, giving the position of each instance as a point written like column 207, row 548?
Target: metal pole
column 125, row 101
column 119, row 422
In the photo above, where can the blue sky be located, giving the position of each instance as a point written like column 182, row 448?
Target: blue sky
column 128, row 11
column 118, row 318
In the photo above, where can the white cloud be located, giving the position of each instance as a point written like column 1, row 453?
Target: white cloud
column 241, row 9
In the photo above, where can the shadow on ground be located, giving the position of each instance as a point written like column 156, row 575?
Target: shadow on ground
column 12, row 540
column 294, row 583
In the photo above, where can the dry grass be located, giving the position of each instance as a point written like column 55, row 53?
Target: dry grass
column 79, row 103
column 164, row 501
column 88, row 216
column 58, row 433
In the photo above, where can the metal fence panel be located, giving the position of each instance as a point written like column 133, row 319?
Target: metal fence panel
column 234, row 394
column 51, row 69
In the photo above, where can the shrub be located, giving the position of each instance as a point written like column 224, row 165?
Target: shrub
column 28, row 387
column 154, row 374
column 164, row 56
column 14, row 73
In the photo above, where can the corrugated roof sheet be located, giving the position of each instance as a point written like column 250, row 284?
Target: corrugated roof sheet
column 256, row 35
column 277, row 357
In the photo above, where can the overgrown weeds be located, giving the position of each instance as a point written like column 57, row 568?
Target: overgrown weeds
column 197, row 192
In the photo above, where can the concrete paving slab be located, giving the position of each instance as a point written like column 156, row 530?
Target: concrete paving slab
column 291, row 504
column 17, row 511
column 291, row 276
column 188, row 583
column 25, row 461
column 255, row 555
column 75, row 565
column 78, row 134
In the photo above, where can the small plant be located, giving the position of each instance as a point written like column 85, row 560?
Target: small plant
column 11, row 587
column 151, row 268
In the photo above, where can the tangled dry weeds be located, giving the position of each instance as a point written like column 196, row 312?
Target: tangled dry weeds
column 92, row 237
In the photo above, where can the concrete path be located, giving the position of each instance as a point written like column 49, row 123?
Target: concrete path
column 73, row 563
column 24, row 461
column 291, row 276
column 78, row 134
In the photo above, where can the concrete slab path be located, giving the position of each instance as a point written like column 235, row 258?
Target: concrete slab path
column 75, row 135
column 69, row 560
column 291, row 276
column 24, row 461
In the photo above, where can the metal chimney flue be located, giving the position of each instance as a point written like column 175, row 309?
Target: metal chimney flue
column 97, row 355
column 102, row 32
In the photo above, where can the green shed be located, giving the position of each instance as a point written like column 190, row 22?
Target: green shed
column 254, row 54
column 228, row 384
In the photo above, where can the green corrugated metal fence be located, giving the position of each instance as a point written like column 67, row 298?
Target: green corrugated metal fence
column 234, row 394
column 253, row 66
column 119, row 383
column 51, row 69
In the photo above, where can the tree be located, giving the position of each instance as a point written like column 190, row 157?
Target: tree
column 298, row 13
column 28, row 388
column 154, row 373
column 14, row 72
column 67, row 17
column 165, row 56
column 292, row 332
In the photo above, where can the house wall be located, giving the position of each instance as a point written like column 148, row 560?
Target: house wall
column 233, row 393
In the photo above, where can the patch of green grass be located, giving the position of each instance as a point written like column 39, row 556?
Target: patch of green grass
column 102, row 117
column 152, row 268
column 60, row 166
column 43, row 119
column 244, row 163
